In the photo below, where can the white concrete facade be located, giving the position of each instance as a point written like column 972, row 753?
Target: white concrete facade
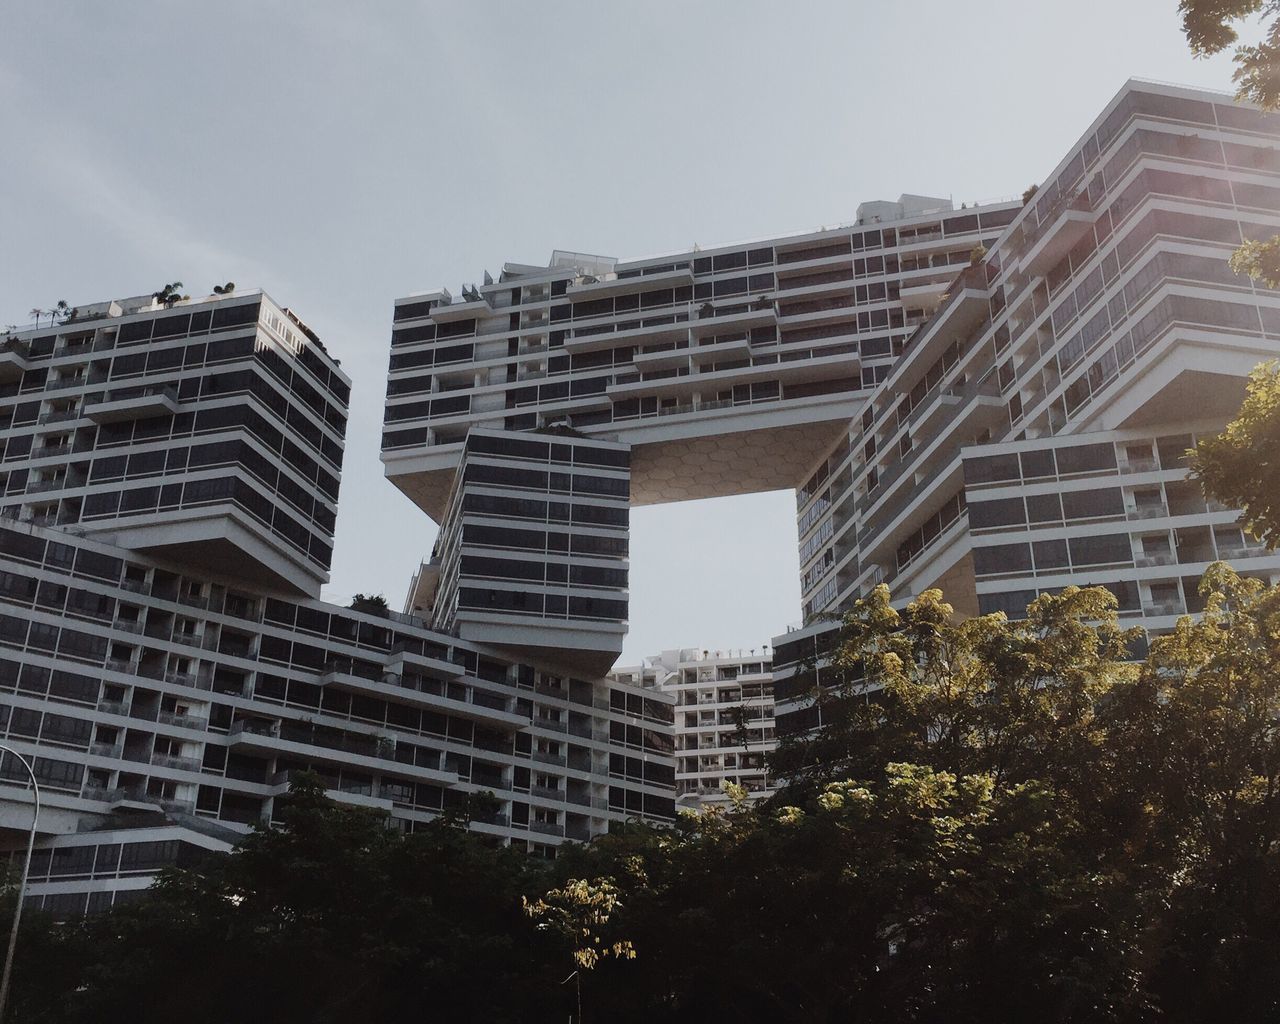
column 165, row 661
column 1032, row 435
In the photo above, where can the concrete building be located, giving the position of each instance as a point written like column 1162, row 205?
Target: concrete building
column 724, row 728
column 989, row 400
column 170, row 477
column 722, row 371
column 1032, row 435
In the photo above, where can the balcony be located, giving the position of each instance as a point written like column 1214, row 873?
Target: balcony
column 185, row 764
column 1234, row 552
column 629, row 285
column 123, row 404
column 13, row 361
column 964, row 307
column 1066, row 222
column 1162, row 609
column 546, row 828
column 189, row 679
column 59, row 415
column 182, row 721
column 478, row 705
column 922, row 294
column 448, row 313
column 635, row 332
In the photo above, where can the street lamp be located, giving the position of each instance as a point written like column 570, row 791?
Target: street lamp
column 22, row 887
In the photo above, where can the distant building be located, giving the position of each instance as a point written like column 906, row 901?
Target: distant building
column 723, row 719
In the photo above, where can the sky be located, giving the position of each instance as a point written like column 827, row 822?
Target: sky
column 340, row 155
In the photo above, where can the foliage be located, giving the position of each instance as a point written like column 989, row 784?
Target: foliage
column 224, row 289
column 1241, row 466
column 170, row 294
column 1259, row 260
column 372, row 604
column 579, row 912
column 1209, row 26
column 1006, row 821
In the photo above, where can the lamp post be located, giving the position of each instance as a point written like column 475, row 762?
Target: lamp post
column 22, row 887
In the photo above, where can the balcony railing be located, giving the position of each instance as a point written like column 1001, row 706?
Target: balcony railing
column 186, row 764
column 183, row 721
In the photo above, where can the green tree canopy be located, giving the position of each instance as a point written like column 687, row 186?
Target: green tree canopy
column 1009, row 821
column 1241, row 466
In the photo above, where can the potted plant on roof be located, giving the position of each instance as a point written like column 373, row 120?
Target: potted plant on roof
column 170, row 294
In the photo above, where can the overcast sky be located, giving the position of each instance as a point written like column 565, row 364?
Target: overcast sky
column 340, row 155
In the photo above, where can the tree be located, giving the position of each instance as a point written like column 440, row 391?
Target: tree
column 170, row 294
column 373, row 604
column 224, row 289
column 1209, row 26
column 1005, row 820
column 1241, row 466
column 330, row 917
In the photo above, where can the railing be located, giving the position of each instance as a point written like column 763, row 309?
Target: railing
column 552, row 724
column 254, row 728
column 127, row 394
column 546, row 828
column 1148, row 512
column 1160, row 558
column 181, row 806
column 182, row 720
column 547, row 792
column 59, row 416
column 1230, row 551
column 114, row 707
column 106, row 749
column 546, row 758
column 1161, row 608
column 120, row 665
column 189, row 679
column 115, row 795
column 186, row 764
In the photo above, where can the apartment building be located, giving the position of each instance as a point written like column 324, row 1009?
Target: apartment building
column 1033, row 433
column 991, row 400
column 722, row 371
column 170, row 476
column 724, row 728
